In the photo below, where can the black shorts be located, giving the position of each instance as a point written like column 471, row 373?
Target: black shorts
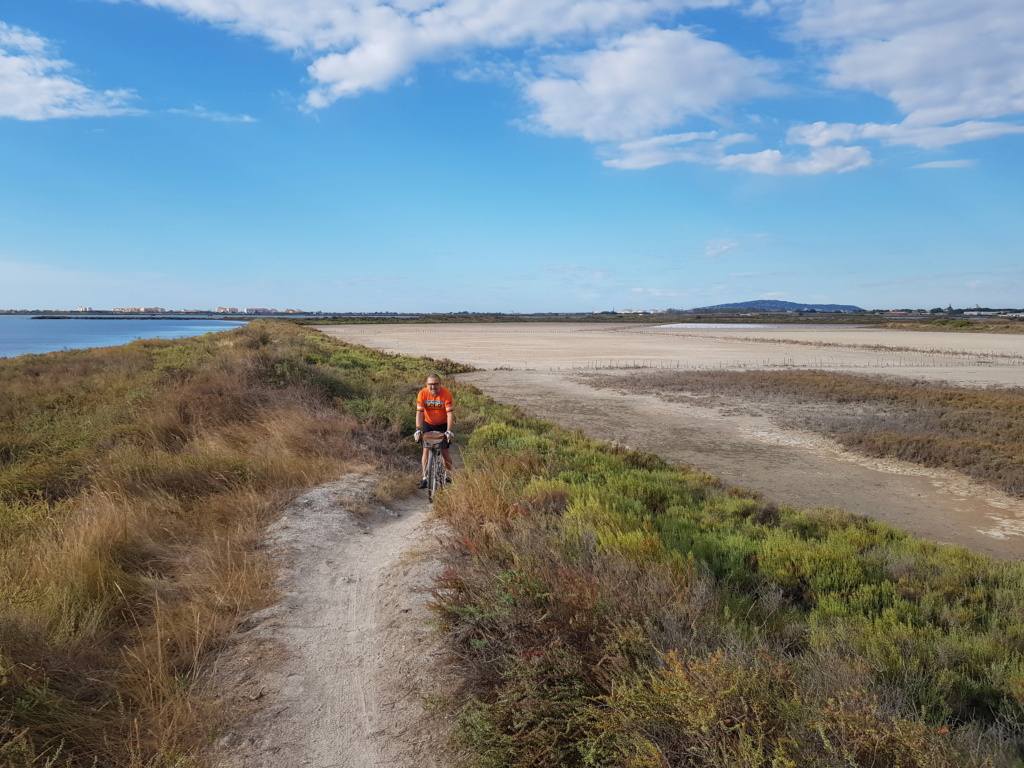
column 445, row 444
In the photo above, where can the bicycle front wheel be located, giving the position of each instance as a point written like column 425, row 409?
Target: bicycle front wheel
column 435, row 474
column 432, row 459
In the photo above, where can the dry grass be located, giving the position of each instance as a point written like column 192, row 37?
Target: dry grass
column 135, row 485
column 979, row 432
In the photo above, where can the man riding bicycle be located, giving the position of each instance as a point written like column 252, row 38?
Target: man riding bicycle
column 434, row 407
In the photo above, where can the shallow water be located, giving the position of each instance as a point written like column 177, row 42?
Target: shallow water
column 21, row 334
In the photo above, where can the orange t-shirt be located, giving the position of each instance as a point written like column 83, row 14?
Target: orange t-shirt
column 435, row 408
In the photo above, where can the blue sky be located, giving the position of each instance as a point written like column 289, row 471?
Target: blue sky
column 510, row 155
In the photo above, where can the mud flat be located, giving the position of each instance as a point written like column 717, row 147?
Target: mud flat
column 543, row 368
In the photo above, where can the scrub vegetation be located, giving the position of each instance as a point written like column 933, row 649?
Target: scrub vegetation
column 135, row 485
column 986, row 325
column 979, row 432
column 616, row 611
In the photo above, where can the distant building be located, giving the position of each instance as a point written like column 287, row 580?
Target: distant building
column 139, row 310
column 260, row 311
column 293, row 312
column 84, row 309
column 227, row 310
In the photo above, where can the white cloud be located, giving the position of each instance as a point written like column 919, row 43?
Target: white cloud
column 709, row 148
column 33, row 85
column 503, row 71
column 217, row 117
column 363, row 45
column 372, row 65
column 822, row 134
column 694, row 147
column 643, row 82
column 938, row 61
column 820, row 160
column 947, row 164
column 716, row 249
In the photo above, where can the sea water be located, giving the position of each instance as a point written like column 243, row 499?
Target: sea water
column 21, row 334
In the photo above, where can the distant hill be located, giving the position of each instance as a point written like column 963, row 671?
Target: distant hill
column 771, row 305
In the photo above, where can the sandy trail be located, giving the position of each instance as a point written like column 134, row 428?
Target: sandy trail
column 540, row 368
column 334, row 674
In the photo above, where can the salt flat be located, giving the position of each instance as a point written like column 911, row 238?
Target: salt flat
column 971, row 359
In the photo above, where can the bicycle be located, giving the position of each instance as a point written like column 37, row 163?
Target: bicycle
column 436, row 472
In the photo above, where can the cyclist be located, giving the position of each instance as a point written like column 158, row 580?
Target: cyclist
column 434, row 413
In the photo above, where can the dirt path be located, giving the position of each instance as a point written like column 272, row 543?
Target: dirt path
column 334, row 674
column 537, row 367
